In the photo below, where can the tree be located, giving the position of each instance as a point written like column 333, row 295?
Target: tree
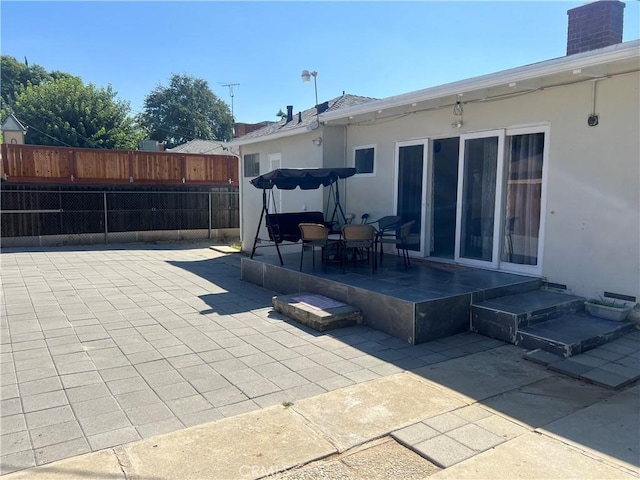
column 65, row 112
column 185, row 110
column 15, row 78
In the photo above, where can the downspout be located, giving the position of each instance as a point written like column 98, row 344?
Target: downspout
column 346, row 196
column 240, row 192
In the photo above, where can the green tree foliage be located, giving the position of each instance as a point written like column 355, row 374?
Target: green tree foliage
column 16, row 76
column 62, row 111
column 185, row 110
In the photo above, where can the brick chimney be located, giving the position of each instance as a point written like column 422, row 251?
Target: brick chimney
column 594, row 25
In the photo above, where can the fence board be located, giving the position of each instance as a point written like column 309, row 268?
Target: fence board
column 39, row 162
column 157, row 167
column 45, row 164
column 110, row 164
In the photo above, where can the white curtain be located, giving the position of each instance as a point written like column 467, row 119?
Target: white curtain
column 524, row 191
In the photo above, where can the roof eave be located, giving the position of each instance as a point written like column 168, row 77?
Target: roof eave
column 618, row 52
column 274, row 136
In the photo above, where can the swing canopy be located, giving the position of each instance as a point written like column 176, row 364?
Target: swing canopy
column 305, row 178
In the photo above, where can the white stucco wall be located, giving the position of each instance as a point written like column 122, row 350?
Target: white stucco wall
column 592, row 216
column 296, row 152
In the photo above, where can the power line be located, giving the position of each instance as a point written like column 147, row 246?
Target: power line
column 46, row 134
column 90, row 142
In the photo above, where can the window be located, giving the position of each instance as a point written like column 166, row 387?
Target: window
column 364, row 159
column 252, row 165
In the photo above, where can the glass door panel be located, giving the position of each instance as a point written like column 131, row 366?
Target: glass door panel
column 521, row 219
column 410, row 192
column 444, row 193
column 479, row 191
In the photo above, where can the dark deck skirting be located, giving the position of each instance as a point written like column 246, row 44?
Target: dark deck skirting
column 428, row 301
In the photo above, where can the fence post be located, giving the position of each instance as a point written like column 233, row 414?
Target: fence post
column 106, row 229
column 209, row 215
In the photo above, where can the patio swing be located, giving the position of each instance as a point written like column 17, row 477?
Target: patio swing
column 284, row 226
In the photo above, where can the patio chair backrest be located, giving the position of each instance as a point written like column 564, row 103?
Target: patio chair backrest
column 387, row 222
column 357, row 233
column 313, row 231
column 405, row 230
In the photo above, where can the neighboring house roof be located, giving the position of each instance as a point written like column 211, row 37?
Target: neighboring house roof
column 613, row 60
column 300, row 122
column 12, row 124
column 209, row 147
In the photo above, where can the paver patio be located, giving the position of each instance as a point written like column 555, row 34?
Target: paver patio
column 106, row 345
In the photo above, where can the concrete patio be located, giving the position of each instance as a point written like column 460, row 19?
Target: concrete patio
column 102, row 347
column 105, row 346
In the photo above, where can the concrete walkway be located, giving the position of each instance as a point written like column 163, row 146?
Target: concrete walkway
column 319, row 438
column 160, row 362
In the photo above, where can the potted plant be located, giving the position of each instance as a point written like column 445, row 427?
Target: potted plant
column 607, row 309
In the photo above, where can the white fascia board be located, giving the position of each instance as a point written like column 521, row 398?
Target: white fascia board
column 621, row 51
column 266, row 138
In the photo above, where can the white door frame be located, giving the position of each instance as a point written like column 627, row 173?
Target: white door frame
column 533, row 269
column 424, row 141
column 497, row 227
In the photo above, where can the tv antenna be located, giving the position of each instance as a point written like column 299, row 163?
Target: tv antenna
column 231, row 86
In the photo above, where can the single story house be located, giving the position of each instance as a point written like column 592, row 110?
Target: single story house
column 532, row 170
column 197, row 145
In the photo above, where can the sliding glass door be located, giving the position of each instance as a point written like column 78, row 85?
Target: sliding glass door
column 501, row 197
column 479, row 194
column 522, row 225
column 443, row 186
column 493, row 217
column 411, row 171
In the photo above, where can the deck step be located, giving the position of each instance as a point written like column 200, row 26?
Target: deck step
column 571, row 334
column 317, row 311
column 503, row 317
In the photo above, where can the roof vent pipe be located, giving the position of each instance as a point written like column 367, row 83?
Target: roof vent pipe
column 299, row 117
column 289, row 113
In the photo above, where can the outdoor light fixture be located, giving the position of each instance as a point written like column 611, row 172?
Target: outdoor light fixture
column 457, row 108
column 306, row 77
column 317, row 141
column 458, row 111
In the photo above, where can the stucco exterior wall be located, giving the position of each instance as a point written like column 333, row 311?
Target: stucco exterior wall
column 13, row 137
column 592, row 216
column 296, row 152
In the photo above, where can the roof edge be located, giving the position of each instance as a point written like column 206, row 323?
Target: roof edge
column 621, row 51
column 266, row 138
column 16, row 127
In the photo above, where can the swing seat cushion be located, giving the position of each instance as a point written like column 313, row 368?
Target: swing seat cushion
column 283, row 227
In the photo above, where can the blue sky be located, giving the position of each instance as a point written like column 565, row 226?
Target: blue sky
column 376, row 49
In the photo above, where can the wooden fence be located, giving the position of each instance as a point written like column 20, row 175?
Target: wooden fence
column 58, row 165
